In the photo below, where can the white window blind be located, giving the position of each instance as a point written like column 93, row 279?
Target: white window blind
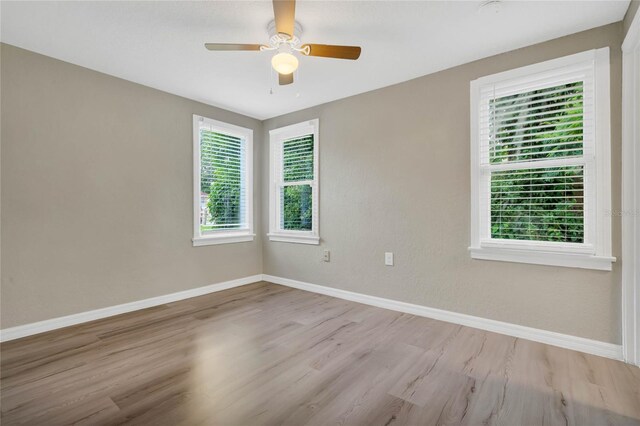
column 223, row 170
column 537, row 146
column 535, row 158
column 294, row 184
column 222, row 196
column 296, row 198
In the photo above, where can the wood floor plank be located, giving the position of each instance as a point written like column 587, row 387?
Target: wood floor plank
column 265, row 354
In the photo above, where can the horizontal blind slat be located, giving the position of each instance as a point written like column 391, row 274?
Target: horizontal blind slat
column 548, row 90
column 524, row 207
column 298, row 158
column 223, row 171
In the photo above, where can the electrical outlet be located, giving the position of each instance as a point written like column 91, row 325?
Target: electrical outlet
column 388, row 258
column 326, row 257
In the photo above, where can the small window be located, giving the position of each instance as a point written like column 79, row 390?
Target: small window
column 223, row 165
column 294, row 184
column 540, row 163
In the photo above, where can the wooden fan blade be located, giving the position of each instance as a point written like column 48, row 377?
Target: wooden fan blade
column 285, row 79
column 284, row 12
column 331, row 51
column 232, row 46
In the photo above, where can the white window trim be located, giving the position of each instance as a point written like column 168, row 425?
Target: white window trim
column 231, row 235
column 276, row 137
column 596, row 254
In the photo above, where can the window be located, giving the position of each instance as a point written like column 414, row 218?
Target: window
column 293, row 189
column 540, row 163
column 222, row 192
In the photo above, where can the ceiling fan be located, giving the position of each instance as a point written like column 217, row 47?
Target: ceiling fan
column 284, row 40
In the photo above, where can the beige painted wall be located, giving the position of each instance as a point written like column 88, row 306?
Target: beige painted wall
column 395, row 177
column 96, row 198
column 97, row 192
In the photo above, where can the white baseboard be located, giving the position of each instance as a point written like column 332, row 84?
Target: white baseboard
column 66, row 321
column 581, row 344
column 595, row 347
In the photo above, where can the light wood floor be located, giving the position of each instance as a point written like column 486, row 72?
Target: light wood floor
column 267, row 354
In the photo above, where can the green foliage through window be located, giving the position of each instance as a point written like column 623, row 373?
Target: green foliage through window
column 297, row 166
column 539, row 202
column 544, row 204
column 221, row 177
column 297, row 205
column 297, row 159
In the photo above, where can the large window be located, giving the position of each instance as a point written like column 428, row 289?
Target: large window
column 223, row 164
column 294, row 184
column 540, row 163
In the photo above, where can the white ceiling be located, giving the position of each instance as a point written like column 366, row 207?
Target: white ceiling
column 160, row 44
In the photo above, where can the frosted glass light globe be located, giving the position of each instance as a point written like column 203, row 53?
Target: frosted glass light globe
column 284, row 63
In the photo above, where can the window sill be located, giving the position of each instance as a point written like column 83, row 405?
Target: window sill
column 297, row 239
column 229, row 238
column 570, row 260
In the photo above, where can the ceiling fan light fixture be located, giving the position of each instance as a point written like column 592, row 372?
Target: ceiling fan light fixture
column 284, row 42
column 284, row 63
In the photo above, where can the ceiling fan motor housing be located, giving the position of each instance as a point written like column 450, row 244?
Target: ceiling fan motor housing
column 276, row 39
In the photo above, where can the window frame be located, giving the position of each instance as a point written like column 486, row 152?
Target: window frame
column 595, row 252
column 222, row 236
column 276, row 139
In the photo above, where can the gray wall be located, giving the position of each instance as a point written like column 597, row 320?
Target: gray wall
column 395, row 177
column 97, row 192
column 96, row 198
